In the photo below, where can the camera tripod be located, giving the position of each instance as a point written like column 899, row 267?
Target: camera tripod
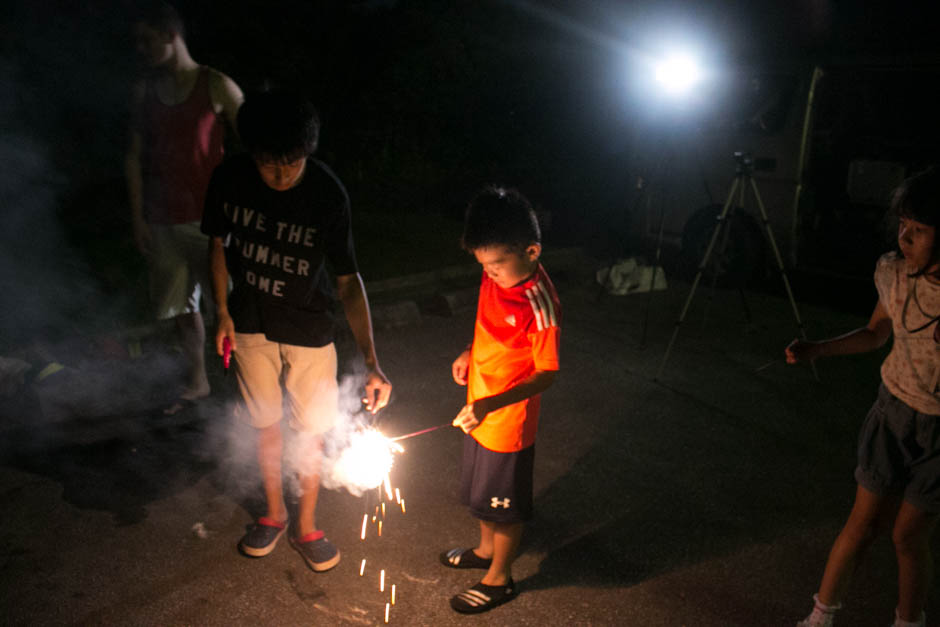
column 743, row 180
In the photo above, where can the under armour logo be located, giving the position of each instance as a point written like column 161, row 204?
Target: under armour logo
column 511, row 320
column 495, row 502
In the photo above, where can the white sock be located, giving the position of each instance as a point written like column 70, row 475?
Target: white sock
column 899, row 622
column 822, row 608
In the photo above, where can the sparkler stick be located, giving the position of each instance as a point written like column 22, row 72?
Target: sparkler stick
column 365, row 519
column 421, row 432
column 362, row 567
column 767, row 365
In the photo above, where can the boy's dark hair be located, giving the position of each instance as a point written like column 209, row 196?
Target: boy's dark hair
column 500, row 216
column 278, row 125
column 918, row 198
column 160, row 16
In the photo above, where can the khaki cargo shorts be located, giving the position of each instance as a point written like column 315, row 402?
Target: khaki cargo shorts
column 277, row 379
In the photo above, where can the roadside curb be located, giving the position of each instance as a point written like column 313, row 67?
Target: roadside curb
column 445, row 291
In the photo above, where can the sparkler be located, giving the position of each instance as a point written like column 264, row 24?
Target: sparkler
column 767, row 365
column 421, row 432
column 366, row 462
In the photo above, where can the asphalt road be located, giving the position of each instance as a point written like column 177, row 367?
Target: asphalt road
column 706, row 499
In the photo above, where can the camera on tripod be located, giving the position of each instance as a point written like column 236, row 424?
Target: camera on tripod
column 746, row 163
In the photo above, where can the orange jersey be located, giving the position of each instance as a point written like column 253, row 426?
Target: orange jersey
column 516, row 333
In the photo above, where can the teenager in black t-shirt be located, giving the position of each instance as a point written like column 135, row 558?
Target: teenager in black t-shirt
column 277, row 218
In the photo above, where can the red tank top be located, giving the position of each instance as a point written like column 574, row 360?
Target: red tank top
column 182, row 144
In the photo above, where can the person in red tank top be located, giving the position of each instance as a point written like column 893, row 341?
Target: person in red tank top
column 178, row 121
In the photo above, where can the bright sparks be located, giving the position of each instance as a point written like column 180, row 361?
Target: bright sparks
column 366, row 462
column 362, row 567
column 365, row 519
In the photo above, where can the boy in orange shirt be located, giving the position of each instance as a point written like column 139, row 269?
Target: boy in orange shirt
column 512, row 360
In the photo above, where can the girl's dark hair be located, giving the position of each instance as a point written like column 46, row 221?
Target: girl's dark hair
column 918, row 198
column 499, row 216
column 278, row 125
column 160, row 16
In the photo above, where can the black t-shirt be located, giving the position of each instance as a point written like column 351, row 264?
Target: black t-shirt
column 277, row 245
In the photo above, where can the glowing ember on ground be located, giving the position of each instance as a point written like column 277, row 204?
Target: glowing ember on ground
column 386, row 612
column 366, row 462
column 380, row 528
column 393, row 594
column 362, row 567
column 403, row 506
column 382, row 581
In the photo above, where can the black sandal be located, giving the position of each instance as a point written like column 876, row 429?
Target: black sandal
column 482, row 598
column 464, row 558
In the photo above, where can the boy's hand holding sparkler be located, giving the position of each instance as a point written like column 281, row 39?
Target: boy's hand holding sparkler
column 471, row 415
column 378, row 390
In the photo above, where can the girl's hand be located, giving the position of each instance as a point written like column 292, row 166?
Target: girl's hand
column 799, row 351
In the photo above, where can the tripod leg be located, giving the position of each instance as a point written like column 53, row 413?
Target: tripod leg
column 781, row 267
column 722, row 223
column 726, row 237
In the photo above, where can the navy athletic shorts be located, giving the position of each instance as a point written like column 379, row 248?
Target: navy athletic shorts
column 497, row 487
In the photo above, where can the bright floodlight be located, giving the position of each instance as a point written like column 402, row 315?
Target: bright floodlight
column 677, row 73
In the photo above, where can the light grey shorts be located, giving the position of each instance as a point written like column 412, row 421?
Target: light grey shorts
column 899, row 452
column 277, row 379
column 179, row 269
